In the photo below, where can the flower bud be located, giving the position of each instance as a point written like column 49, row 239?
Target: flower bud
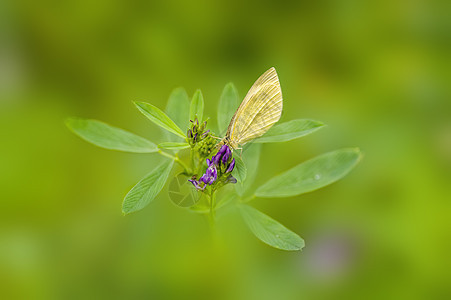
column 226, row 156
column 231, row 166
column 231, row 179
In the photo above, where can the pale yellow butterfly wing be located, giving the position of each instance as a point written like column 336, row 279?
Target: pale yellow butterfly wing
column 260, row 109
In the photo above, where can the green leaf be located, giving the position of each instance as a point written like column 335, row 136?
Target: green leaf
column 270, row 231
column 228, row 104
column 178, row 110
column 197, row 106
column 312, row 174
column 109, row 137
column 147, row 189
column 251, row 157
column 159, row 118
column 181, row 191
column 239, row 171
column 173, row 145
column 289, row 131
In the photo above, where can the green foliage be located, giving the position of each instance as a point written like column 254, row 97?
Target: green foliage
column 147, row 189
column 173, row 145
column 177, row 109
column 240, row 170
column 109, row 137
column 251, row 159
column 197, row 106
column 311, row 175
column 269, row 230
column 289, row 131
column 228, row 104
column 159, row 118
column 194, row 188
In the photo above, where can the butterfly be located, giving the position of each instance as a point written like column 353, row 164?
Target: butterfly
column 259, row 111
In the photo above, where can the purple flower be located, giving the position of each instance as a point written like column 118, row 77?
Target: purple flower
column 223, row 149
column 210, row 175
column 196, row 184
column 217, row 158
column 231, row 166
column 219, row 169
column 222, row 155
column 222, row 160
column 226, row 156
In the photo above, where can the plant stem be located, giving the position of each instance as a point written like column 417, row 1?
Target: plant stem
column 193, row 164
column 177, row 159
column 248, row 198
column 196, row 162
column 212, row 210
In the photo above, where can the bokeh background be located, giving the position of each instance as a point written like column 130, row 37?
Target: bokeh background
column 376, row 72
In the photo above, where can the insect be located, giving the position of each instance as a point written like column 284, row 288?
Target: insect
column 259, row 111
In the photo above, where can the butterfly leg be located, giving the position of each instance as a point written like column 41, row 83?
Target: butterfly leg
column 241, row 152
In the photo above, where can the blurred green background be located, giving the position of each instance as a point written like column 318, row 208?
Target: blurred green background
column 376, row 72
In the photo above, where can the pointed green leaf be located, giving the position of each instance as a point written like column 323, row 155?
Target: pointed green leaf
column 173, row 145
column 197, row 106
column 181, row 192
column 312, row 174
column 147, row 189
column 270, row 231
column 240, row 170
column 159, row 118
column 228, row 104
column 289, row 131
column 109, row 137
column 178, row 110
column 251, row 158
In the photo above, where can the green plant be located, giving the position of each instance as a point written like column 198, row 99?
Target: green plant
column 219, row 166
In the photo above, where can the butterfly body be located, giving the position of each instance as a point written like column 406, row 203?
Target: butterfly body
column 259, row 111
